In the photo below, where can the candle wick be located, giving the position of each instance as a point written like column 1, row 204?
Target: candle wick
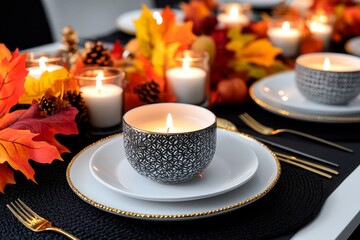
column 168, row 129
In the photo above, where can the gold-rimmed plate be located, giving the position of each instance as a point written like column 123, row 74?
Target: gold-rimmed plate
column 230, row 168
column 91, row 191
column 278, row 94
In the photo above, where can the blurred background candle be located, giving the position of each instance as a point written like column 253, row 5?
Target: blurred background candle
column 234, row 14
column 285, row 35
column 187, row 79
column 320, row 26
column 38, row 63
column 102, row 94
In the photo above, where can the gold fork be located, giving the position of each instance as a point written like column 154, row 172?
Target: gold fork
column 33, row 221
column 260, row 128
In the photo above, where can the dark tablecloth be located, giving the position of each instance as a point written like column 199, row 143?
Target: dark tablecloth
column 294, row 201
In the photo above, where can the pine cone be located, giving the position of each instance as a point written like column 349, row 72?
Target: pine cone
column 148, row 92
column 49, row 105
column 75, row 99
column 70, row 39
column 98, row 54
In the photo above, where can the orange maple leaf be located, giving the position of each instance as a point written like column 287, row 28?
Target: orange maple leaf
column 12, row 78
column 6, row 176
column 181, row 33
column 17, row 147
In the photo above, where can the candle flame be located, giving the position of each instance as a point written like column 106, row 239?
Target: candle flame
column 234, row 12
column 99, row 79
column 169, row 124
column 285, row 26
column 158, row 18
column 327, row 64
column 42, row 63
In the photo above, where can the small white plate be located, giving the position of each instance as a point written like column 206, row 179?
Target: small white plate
column 85, row 186
column 278, row 93
column 231, row 167
column 125, row 22
column 352, row 46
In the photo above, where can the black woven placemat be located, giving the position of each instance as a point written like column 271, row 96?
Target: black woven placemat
column 294, row 201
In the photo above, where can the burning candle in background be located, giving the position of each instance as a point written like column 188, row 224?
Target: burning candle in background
column 234, row 14
column 102, row 96
column 37, row 71
column 188, row 81
column 320, row 27
column 285, row 35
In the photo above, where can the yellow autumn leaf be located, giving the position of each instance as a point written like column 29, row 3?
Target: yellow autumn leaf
column 49, row 81
column 260, row 52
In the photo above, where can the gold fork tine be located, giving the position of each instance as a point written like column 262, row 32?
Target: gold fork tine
column 32, row 220
column 255, row 125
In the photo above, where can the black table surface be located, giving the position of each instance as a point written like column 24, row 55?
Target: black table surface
column 294, row 201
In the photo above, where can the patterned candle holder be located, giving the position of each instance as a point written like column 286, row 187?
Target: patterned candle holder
column 165, row 152
column 328, row 78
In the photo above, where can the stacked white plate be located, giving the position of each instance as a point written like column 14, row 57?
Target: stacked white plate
column 278, row 93
column 242, row 171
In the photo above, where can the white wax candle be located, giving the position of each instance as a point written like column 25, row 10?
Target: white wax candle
column 105, row 106
column 286, row 38
column 226, row 20
column 333, row 67
column 36, row 72
column 187, row 84
column 321, row 31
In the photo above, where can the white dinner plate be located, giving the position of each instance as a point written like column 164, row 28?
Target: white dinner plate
column 278, row 93
column 232, row 166
column 82, row 182
column 125, row 22
column 352, row 46
column 261, row 3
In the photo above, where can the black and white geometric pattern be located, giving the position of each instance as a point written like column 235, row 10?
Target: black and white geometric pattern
column 169, row 158
column 335, row 88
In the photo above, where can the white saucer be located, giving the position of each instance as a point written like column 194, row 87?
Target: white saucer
column 352, row 46
column 233, row 165
column 82, row 182
column 278, row 93
column 125, row 21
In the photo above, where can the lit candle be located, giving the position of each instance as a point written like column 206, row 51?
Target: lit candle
column 232, row 16
column 187, row 83
column 321, row 31
column 286, row 38
column 158, row 18
column 326, row 65
column 104, row 102
column 37, row 71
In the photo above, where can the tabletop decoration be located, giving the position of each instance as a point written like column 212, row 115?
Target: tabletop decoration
column 328, row 78
column 26, row 133
column 188, row 78
column 173, row 146
column 234, row 14
column 320, row 26
column 102, row 90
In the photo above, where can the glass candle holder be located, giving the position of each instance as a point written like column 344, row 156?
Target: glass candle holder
column 39, row 62
column 285, row 33
column 102, row 89
column 320, row 27
column 187, row 78
column 234, row 14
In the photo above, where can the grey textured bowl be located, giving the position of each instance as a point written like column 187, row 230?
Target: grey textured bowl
column 336, row 86
column 173, row 157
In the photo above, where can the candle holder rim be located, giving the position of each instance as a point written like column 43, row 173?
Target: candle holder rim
column 119, row 73
column 165, row 133
column 300, row 60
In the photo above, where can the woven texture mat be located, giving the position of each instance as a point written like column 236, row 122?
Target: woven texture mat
column 294, row 201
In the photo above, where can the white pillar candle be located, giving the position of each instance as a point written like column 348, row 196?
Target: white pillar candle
column 37, row 71
column 321, row 31
column 104, row 103
column 286, row 38
column 232, row 16
column 187, row 83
